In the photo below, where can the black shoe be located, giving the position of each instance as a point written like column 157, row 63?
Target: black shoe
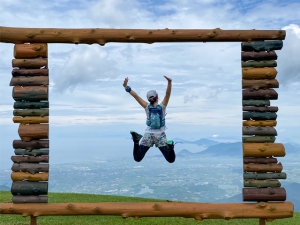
column 135, row 136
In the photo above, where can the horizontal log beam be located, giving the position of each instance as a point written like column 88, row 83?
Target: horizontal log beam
column 31, row 119
column 269, row 94
column 30, row 132
column 259, row 160
column 30, row 159
column 259, row 139
column 259, row 56
column 29, row 81
column 259, row 73
column 36, row 63
column 262, row 183
column 198, row 211
column 29, row 188
column 29, row 145
column 263, row 168
column 33, row 152
column 30, row 72
column 263, row 131
column 30, row 167
column 103, row 36
column 31, row 105
column 30, row 93
column 259, row 116
column 20, row 176
column 261, row 108
column 256, row 103
column 31, row 112
column 262, row 45
column 264, row 194
column 264, row 176
column 263, row 150
column 28, row 51
column 30, row 199
column 260, row 123
column 257, row 84
column 259, row 64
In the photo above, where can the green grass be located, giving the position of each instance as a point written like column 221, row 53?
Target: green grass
column 5, row 197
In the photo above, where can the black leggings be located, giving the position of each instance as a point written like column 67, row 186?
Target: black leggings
column 139, row 152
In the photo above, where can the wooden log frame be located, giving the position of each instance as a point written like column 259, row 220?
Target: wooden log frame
column 30, row 72
column 263, row 131
column 260, row 160
column 20, row 176
column 31, row 105
column 32, row 50
column 262, row 183
column 36, row 63
column 30, row 167
column 30, row 159
column 198, row 211
column 258, row 139
column 31, row 112
column 260, row 94
column 29, row 145
column 264, row 176
column 33, row 152
column 256, row 102
column 29, row 81
column 30, row 132
column 260, row 123
column 263, row 168
column 259, row 73
column 29, row 188
column 30, row 93
column 259, row 56
column 260, row 109
column 31, row 119
column 262, row 45
column 260, row 84
column 263, row 150
column 30, row 199
column 259, row 64
column 264, row 194
column 250, row 115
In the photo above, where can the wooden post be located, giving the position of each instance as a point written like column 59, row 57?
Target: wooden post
column 33, row 220
column 262, row 221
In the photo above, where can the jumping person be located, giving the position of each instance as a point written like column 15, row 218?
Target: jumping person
column 155, row 131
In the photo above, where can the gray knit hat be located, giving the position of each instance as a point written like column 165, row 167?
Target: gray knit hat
column 151, row 94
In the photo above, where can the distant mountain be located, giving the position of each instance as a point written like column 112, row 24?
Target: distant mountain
column 291, row 148
column 200, row 142
column 223, row 149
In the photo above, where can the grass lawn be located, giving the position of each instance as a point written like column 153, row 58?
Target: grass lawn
column 5, row 196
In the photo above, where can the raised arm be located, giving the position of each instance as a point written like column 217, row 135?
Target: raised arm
column 168, row 91
column 142, row 102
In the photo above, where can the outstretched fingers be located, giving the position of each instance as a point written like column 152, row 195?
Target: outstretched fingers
column 125, row 82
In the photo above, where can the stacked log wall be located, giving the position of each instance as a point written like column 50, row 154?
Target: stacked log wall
column 262, row 171
column 30, row 80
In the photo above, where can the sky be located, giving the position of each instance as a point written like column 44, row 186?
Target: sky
column 91, row 114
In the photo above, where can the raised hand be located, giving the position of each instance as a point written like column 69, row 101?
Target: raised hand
column 168, row 78
column 125, row 82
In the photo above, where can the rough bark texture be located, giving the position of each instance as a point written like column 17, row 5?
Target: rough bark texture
column 199, row 211
column 29, row 188
column 257, row 84
column 263, row 150
column 259, row 116
column 264, row 194
column 31, row 105
column 256, row 103
column 260, row 123
column 20, row 176
column 29, row 81
column 259, row 73
column 31, row 112
column 28, row 51
column 263, row 131
column 262, row 183
column 33, row 152
column 262, row 45
column 269, row 94
column 30, row 199
column 30, row 159
column 33, row 131
column 259, row 56
column 263, row 168
column 264, row 176
column 31, row 93
column 31, row 119
column 30, row 167
column 258, row 139
column 103, row 36
column 30, row 72
column 259, row 160
column 36, row 63
column 29, row 145
column 261, row 108
column 260, row 64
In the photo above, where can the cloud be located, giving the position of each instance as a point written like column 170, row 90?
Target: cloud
column 288, row 56
column 85, row 65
